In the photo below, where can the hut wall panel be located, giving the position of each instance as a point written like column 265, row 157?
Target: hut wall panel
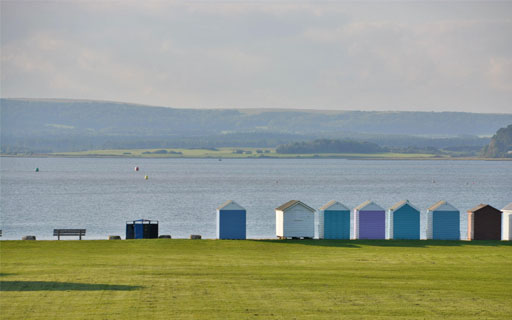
column 372, row 225
column 509, row 226
column 231, row 224
column 506, row 225
column 471, row 223
column 337, row 224
column 430, row 225
column 279, row 224
column 389, row 224
column 354, row 218
column 446, row 225
column 406, row 223
column 299, row 222
column 487, row 224
column 319, row 223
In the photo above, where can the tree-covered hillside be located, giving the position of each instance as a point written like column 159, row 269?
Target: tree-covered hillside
column 40, row 125
column 500, row 145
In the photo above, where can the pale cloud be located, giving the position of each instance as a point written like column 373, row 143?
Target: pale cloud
column 374, row 56
column 500, row 73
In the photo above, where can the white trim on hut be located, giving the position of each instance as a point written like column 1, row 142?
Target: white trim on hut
column 506, row 222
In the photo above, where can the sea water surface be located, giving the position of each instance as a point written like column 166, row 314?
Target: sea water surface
column 100, row 195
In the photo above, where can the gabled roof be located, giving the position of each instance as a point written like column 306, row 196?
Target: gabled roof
column 293, row 203
column 478, row 207
column 230, row 205
column 368, row 205
column 402, row 203
column 481, row 206
column 508, row 207
column 334, row 205
column 442, row 206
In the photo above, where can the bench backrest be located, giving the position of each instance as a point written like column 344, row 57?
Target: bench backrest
column 69, row 232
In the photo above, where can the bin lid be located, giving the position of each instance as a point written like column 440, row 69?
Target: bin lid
column 147, row 221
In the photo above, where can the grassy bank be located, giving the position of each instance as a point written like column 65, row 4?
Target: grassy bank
column 207, row 279
column 230, row 153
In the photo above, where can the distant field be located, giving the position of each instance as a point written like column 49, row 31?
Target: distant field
column 232, row 153
column 220, row 279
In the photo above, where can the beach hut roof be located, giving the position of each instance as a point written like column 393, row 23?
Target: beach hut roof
column 230, row 205
column 508, row 207
column 334, row 205
column 442, row 206
column 481, row 206
column 478, row 207
column 402, row 203
column 293, row 203
column 368, row 205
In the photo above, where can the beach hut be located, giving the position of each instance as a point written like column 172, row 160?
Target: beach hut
column 231, row 219
column 369, row 221
column 403, row 221
column 294, row 219
column 506, row 223
column 333, row 221
column 484, row 223
column 443, row 222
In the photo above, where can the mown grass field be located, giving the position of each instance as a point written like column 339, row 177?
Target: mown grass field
column 292, row 279
column 228, row 153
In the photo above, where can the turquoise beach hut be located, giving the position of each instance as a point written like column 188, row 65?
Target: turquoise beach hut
column 403, row 221
column 231, row 221
column 443, row 222
column 333, row 221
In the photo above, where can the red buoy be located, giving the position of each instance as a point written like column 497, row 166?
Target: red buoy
column 136, row 168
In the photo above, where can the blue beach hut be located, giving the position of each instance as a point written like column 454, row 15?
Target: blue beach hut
column 443, row 222
column 231, row 221
column 403, row 221
column 333, row 221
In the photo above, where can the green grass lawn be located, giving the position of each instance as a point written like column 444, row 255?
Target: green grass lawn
column 220, row 279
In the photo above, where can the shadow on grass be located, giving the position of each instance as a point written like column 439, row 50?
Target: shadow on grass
column 391, row 243
column 60, row 286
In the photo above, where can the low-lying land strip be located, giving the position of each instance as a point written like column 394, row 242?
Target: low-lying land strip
column 234, row 153
column 221, row 279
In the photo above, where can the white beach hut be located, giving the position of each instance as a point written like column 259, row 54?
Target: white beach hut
column 506, row 224
column 294, row 219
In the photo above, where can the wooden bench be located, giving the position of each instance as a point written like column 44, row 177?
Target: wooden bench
column 69, row 232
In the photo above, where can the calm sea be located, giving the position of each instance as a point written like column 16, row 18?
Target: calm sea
column 183, row 194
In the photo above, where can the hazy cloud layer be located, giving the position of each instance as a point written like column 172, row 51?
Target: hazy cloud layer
column 371, row 56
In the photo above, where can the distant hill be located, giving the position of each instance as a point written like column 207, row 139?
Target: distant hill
column 59, row 125
column 500, row 145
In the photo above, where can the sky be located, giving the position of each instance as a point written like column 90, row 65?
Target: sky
column 329, row 55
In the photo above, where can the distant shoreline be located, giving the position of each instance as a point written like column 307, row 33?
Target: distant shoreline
column 284, row 157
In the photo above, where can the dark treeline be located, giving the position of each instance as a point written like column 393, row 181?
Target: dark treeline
column 330, row 146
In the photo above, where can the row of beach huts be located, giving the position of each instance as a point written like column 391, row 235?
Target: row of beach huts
column 295, row 219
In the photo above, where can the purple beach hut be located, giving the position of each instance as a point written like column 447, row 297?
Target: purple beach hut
column 369, row 221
